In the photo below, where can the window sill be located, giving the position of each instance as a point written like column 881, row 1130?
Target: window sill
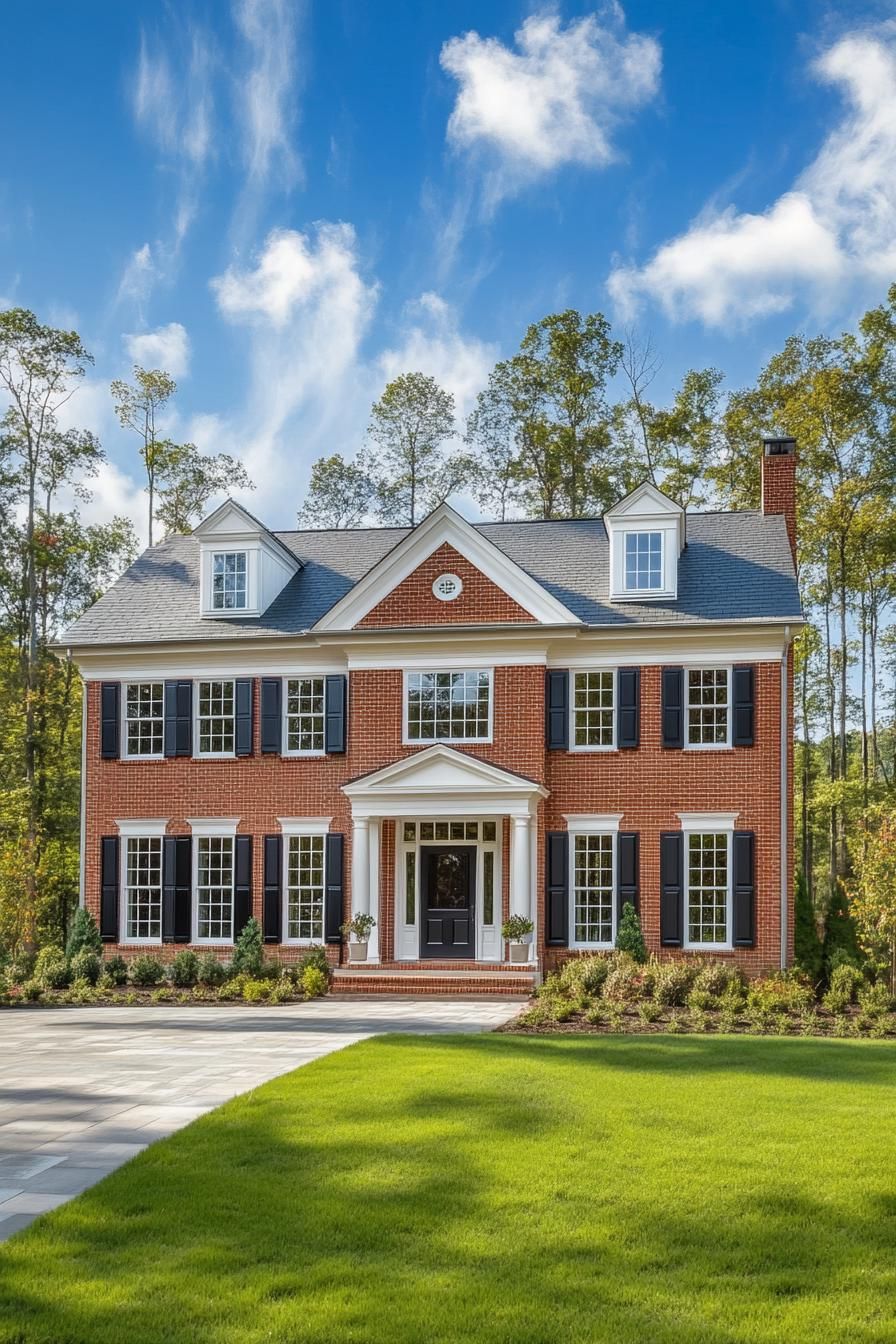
column 592, row 751
column 707, row 947
column 447, row 742
column 215, row 756
column 302, row 755
column 160, row 757
column 302, row 942
column 708, row 746
column 591, row 947
column 212, row 942
column 140, row 942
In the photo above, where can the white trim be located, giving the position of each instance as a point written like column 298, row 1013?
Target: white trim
column 579, row 823
column 213, row 825
column 488, row 945
column 453, row 593
column 124, row 754
column 208, row 556
column 709, row 829
column 82, row 803
column 708, row 821
column 407, row 741
column 599, row 826
column 212, row 755
column 304, row 825
column 614, row 711
column 441, row 781
column 284, row 717
column 727, row 668
column 444, row 526
column 140, row 827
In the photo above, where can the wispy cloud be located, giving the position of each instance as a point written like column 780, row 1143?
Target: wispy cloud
column 165, row 348
column 556, row 99
column 266, row 89
column 430, row 341
column 833, row 229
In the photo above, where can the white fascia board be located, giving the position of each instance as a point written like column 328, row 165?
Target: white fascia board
column 708, row 821
column 230, row 522
column 440, row 770
column 142, row 827
column 443, row 526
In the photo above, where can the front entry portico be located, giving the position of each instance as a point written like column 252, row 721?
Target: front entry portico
column 444, row 802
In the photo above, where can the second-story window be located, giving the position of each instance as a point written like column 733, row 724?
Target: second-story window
column 707, row 707
column 449, row 706
column 144, row 717
column 593, row 710
column 643, row 561
column 229, row 584
column 215, row 729
column 305, row 715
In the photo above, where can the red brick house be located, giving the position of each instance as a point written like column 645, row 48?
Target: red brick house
column 445, row 724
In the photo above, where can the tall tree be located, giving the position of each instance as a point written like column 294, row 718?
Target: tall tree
column 138, row 405
column 340, row 493
column 186, row 480
column 409, row 427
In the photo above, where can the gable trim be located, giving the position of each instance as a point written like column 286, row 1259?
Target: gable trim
column 444, row 525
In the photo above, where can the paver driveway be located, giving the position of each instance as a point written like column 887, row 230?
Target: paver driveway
column 84, row 1089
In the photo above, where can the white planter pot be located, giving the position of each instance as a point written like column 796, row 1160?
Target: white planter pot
column 357, row 951
column 519, row 952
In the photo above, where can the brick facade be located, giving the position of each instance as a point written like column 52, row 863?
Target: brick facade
column 412, row 601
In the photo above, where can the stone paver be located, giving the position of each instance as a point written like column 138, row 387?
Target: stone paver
column 82, row 1090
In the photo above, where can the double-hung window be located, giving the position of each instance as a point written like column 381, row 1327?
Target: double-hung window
column 305, row 861
column 214, row 888
column 144, row 718
column 304, row 715
column 229, row 581
column 708, row 880
column 143, row 889
column 643, row 561
column 708, row 707
column 593, row 889
column 215, row 718
column 593, row 710
column 448, row 706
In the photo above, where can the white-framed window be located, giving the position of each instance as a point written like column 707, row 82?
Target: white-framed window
column 448, row 706
column 304, row 716
column 592, row 878
column 143, row 889
column 230, row 572
column 215, row 718
column 304, row 888
column 708, row 886
column 593, row 710
column 213, row 888
column 643, row 559
column 144, row 718
column 708, row 705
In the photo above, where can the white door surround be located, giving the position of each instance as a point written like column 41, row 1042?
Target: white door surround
column 436, row 783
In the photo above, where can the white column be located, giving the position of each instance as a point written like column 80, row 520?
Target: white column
column 360, row 866
column 373, row 947
column 520, row 869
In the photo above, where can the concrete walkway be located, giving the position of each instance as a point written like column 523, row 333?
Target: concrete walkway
column 84, row 1089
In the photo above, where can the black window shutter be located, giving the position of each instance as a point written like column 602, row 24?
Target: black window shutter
column 672, row 889
column 673, row 707
column 242, row 883
column 335, row 879
column 177, row 889
column 557, row 889
column 273, row 877
column 556, row 705
column 742, row 706
column 271, row 723
column 110, row 719
column 110, row 878
column 178, row 718
column 243, row 697
column 627, row 869
column 335, row 689
column 744, row 889
column 628, row 708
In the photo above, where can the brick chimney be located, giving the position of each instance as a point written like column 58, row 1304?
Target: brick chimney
column 779, row 483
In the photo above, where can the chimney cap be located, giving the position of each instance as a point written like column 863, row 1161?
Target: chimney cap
column 780, row 445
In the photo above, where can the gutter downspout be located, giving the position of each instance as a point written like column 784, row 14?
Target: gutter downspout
column 784, row 799
column 82, row 857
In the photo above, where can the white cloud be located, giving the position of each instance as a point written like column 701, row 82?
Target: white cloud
column 557, row 99
column 432, row 343
column 139, row 275
column 266, row 96
column 834, row 228
column 165, row 348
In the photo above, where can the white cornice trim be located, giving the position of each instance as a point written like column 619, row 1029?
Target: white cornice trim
column 708, row 821
column 444, row 525
column 578, row 823
column 213, row 825
column 304, row 825
column 142, row 826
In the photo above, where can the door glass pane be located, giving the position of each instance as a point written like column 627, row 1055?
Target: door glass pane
column 410, row 886
column 488, row 831
column 410, row 831
column 441, row 830
column 457, row 830
column 472, row 830
column 427, row 830
column 488, row 887
column 449, row 882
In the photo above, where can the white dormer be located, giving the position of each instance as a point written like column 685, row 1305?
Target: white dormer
column 646, row 531
column 242, row 566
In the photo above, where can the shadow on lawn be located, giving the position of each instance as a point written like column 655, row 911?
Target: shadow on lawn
column 379, row 1209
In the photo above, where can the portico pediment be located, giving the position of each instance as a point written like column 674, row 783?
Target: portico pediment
column 443, row 780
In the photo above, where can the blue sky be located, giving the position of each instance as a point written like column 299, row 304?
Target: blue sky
column 286, row 204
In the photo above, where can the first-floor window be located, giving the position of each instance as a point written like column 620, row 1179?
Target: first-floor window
column 216, row 718
column 707, row 868
column 144, row 718
column 214, row 888
column 305, row 714
column 593, row 889
column 143, row 896
column 305, row 888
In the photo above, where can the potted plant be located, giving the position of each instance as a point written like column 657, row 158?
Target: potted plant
column 358, row 928
column 514, row 930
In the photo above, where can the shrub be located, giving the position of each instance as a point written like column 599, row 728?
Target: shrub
column 699, row 1000
column 248, row 953
column 783, row 992
column 672, row 982
column 271, row 970
column 210, row 971
column 875, row 999
column 719, row 980
column 106, row 982
column 184, row 969
column 83, row 934
column 146, row 970
column 846, row 980
column 835, row 1002
column 629, row 937
column 281, row 991
column 314, row 982
column 51, row 968
column 21, row 967
column 163, row 995
column 32, row 990
column 86, row 965
column 359, row 927
column 117, row 968
column 586, row 975
column 82, row 991
column 806, row 942
column 256, row 991
column 315, row 956
column 727, row 1021
column 648, row 1011
column 624, row 981
column 840, row 940
column 516, row 928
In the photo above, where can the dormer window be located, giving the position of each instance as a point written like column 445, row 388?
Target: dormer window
column 644, row 561
column 229, row 581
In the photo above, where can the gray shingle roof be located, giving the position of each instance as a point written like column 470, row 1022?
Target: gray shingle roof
column 736, row 566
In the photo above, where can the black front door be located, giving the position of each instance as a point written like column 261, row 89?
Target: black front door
column 447, row 880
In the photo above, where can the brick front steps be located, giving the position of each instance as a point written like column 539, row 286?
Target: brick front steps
column 434, row 978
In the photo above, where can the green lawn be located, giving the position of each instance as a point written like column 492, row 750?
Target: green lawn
column 496, row 1188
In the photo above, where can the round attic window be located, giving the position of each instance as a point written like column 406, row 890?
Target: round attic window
column 447, row 587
